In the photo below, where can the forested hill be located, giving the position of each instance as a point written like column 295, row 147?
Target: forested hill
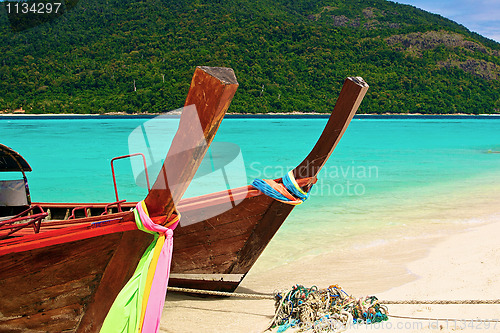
column 289, row 55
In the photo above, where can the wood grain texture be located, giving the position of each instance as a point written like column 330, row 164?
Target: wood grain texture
column 211, row 93
column 39, row 285
column 350, row 97
column 118, row 271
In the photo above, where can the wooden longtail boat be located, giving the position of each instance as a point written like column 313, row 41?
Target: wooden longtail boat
column 66, row 276
column 62, row 274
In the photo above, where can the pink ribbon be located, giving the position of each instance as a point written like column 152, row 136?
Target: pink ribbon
column 159, row 285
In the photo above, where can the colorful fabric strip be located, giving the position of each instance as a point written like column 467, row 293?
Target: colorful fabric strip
column 268, row 190
column 291, row 184
column 289, row 192
column 139, row 305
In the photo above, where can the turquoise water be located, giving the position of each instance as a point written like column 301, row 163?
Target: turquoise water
column 385, row 173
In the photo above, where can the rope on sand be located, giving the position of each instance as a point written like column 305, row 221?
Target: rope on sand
column 332, row 309
column 324, row 310
column 271, row 296
column 220, row 293
column 310, row 309
column 465, row 301
column 448, row 319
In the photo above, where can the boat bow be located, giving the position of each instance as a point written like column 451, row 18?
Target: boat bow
column 218, row 252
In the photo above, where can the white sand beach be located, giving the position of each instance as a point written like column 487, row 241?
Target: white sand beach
column 463, row 265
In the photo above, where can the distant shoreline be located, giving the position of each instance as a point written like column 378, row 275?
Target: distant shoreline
column 292, row 115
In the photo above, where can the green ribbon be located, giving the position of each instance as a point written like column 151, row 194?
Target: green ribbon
column 125, row 313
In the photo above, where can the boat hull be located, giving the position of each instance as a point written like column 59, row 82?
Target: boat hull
column 216, row 253
column 62, row 282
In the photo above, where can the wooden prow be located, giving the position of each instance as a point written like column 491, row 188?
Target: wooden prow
column 350, row 97
column 211, row 92
column 272, row 212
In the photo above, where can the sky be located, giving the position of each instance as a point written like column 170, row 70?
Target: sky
column 481, row 16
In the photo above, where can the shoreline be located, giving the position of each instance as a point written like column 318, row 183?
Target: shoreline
column 248, row 115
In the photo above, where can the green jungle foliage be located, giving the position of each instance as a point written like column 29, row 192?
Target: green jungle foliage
column 289, row 55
